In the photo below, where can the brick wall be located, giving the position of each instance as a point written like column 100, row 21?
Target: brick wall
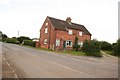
column 44, row 35
column 50, row 35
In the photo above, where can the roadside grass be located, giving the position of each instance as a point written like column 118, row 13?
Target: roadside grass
column 76, row 53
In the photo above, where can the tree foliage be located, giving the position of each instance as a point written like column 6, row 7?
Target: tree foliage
column 76, row 46
column 116, row 48
column 3, row 37
column 12, row 40
column 91, row 48
column 22, row 38
column 106, row 46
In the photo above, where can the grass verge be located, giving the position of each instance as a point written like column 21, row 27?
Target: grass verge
column 76, row 53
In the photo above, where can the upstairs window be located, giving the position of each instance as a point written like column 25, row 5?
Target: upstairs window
column 45, row 41
column 46, row 24
column 70, row 32
column 80, row 33
column 46, row 30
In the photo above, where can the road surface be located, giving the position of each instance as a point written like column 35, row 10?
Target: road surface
column 23, row 62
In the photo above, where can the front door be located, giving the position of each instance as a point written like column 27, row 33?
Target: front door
column 64, row 44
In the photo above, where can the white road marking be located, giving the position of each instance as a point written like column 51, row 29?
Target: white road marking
column 71, row 69
column 63, row 56
column 79, row 58
column 93, row 59
column 10, row 67
column 75, row 57
column 63, row 66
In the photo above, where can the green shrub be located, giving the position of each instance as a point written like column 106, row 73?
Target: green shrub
column 116, row 48
column 91, row 48
column 76, row 46
column 12, row 40
column 106, row 46
column 22, row 38
column 29, row 43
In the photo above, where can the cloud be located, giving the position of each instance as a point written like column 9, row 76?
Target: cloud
column 5, row 2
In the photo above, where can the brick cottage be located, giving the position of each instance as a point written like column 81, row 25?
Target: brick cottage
column 59, row 34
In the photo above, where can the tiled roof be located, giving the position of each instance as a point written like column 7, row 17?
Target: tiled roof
column 62, row 25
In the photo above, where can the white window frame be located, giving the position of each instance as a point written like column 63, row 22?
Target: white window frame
column 80, row 33
column 70, row 32
column 46, row 30
column 45, row 41
column 68, row 43
column 57, row 42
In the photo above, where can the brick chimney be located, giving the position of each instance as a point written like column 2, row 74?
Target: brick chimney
column 68, row 20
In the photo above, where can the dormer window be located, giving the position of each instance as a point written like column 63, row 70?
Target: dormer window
column 46, row 30
column 80, row 33
column 70, row 32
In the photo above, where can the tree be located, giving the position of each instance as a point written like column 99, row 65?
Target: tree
column 22, row 38
column 105, row 45
column 116, row 48
column 3, row 37
column 91, row 48
column 76, row 46
column 12, row 40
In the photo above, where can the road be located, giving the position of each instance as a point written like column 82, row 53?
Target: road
column 24, row 62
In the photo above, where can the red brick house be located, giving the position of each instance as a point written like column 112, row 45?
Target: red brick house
column 60, row 34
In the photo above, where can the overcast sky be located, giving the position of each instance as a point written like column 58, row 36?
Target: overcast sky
column 100, row 17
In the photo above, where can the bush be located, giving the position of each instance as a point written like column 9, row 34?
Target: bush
column 91, row 48
column 12, row 40
column 76, row 46
column 22, row 38
column 116, row 48
column 106, row 46
column 29, row 43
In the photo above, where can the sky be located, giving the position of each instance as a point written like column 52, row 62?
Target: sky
column 100, row 17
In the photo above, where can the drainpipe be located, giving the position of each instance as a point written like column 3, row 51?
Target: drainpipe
column 49, row 37
column 55, row 39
